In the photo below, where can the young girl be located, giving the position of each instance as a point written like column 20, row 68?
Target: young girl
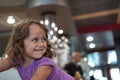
column 30, row 52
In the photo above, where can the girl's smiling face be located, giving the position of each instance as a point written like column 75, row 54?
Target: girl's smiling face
column 35, row 45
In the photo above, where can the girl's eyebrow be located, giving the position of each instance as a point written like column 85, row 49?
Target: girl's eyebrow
column 42, row 36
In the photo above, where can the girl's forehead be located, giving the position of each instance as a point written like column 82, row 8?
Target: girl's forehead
column 35, row 29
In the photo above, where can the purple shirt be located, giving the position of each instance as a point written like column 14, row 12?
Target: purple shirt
column 56, row 74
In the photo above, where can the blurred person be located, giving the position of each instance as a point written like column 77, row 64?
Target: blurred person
column 73, row 68
column 92, row 77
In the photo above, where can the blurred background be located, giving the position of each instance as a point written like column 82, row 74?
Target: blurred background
column 89, row 26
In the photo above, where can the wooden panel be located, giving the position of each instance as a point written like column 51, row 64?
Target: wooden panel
column 96, row 14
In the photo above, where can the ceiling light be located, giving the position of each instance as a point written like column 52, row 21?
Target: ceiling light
column 52, row 24
column 92, row 45
column 66, row 40
column 46, row 22
column 60, row 31
column 55, row 28
column 51, row 32
column 91, row 73
column 10, row 20
column 63, row 37
column 90, row 38
column 85, row 59
column 41, row 21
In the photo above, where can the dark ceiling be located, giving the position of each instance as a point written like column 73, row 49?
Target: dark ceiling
column 88, row 13
column 85, row 13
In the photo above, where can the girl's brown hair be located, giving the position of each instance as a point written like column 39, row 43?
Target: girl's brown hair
column 15, row 47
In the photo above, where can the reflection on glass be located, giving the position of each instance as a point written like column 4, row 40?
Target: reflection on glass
column 112, row 57
column 115, row 73
column 94, row 59
column 96, row 73
column 102, row 58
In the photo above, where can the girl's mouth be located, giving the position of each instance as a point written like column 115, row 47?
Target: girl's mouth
column 38, row 50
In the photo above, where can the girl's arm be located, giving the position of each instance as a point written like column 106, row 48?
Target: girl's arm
column 42, row 73
column 5, row 64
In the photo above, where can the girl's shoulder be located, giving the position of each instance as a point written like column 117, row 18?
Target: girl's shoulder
column 44, row 61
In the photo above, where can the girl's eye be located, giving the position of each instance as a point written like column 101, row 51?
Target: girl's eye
column 43, row 39
column 35, row 40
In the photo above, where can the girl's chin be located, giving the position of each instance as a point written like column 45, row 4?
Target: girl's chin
column 37, row 57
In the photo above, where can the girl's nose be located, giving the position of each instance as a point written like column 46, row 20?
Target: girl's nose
column 41, row 43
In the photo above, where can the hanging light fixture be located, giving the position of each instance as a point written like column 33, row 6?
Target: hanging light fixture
column 10, row 20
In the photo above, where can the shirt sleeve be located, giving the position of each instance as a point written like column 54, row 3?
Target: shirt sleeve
column 45, row 62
